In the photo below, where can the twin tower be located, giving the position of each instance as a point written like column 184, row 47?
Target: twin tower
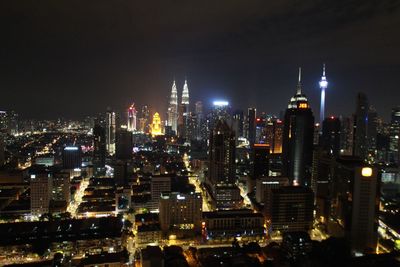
column 178, row 114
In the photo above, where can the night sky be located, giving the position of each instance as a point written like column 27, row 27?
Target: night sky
column 75, row 58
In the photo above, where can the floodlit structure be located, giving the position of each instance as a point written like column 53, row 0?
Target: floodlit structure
column 132, row 118
column 173, row 109
column 323, row 84
column 156, row 125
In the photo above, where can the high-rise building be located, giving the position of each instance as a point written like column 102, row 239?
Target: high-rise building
column 355, row 200
column 156, row 128
column 144, row 119
column 220, row 110
column 394, row 136
column 238, row 123
column 360, row 148
column 199, row 132
column 251, row 128
column 222, row 154
column 264, row 185
column 99, row 149
column 41, row 190
column 323, row 85
column 72, row 157
column 159, row 184
column 2, row 148
column 298, row 138
column 180, row 212
column 330, row 139
column 110, row 131
column 173, row 109
column 290, row 208
column 273, row 135
column 124, row 144
column 132, row 113
column 185, row 113
column 346, row 136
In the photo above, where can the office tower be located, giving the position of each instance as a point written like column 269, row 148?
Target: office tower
column 372, row 131
column 199, row 115
column 346, row 136
column 99, row 149
column 360, row 148
column 298, row 138
column 12, row 122
column 355, row 200
column 173, row 109
column 264, row 185
column 120, row 172
column 291, row 208
column 323, row 85
column 394, row 135
column 260, row 160
column 2, row 148
column 330, row 139
column 260, row 135
column 296, row 245
column 222, row 154
column 72, row 157
column 124, row 144
column 41, row 190
column 251, row 122
column 110, row 131
column 61, row 187
column 273, row 135
column 132, row 113
column 144, row 120
column 220, row 110
column 184, row 114
column 156, row 128
column 180, row 212
column 238, row 121
column 159, row 185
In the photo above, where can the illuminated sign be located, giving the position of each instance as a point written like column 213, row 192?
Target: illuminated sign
column 71, row 148
column 220, row 103
column 303, row 105
column 366, row 172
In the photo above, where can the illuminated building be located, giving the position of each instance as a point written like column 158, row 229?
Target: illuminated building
column 237, row 223
column 273, row 135
column 41, row 190
column 199, row 131
column 159, row 184
column 394, row 136
column 180, row 212
column 355, row 198
column 72, row 157
column 132, row 118
column 184, row 114
column 264, row 185
column 238, row 123
column 144, row 120
column 298, row 138
column 156, row 125
column 173, row 109
column 323, row 84
column 110, row 131
column 346, row 136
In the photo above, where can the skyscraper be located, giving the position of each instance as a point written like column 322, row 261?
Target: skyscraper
column 222, row 154
column 132, row 118
column 251, row 122
column 156, row 125
column 72, row 157
column 173, row 109
column 330, row 139
column 185, row 113
column 124, row 144
column 110, row 131
column 99, row 149
column 41, row 190
column 298, row 138
column 394, row 136
column 323, row 84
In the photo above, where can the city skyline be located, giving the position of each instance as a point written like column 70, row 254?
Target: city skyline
column 124, row 59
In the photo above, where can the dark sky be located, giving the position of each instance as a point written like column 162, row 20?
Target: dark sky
column 75, row 58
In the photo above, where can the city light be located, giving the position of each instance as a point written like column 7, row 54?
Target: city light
column 221, row 103
column 366, row 171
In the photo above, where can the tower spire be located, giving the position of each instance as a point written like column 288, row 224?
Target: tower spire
column 323, row 84
column 299, row 83
column 185, row 93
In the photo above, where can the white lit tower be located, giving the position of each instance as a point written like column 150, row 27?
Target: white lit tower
column 132, row 118
column 185, row 109
column 323, row 84
column 173, row 109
